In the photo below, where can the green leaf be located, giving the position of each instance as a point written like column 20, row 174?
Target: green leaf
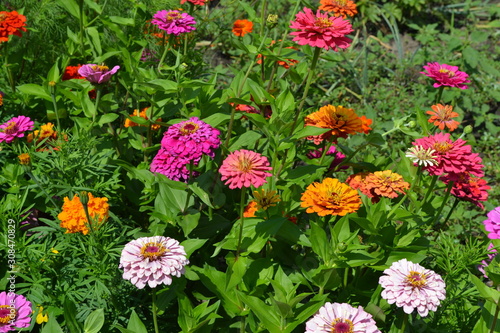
column 69, row 315
column 35, row 90
column 94, row 322
column 486, row 292
column 108, row 118
column 71, row 7
column 309, row 131
column 52, row 326
column 96, row 41
column 122, row 20
column 201, row 193
column 471, row 56
column 265, row 313
column 320, row 244
column 246, row 139
column 54, row 72
column 191, row 245
column 135, row 324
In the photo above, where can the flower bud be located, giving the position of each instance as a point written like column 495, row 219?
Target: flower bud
column 411, row 124
column 468, row 129
column 272, row 20
column 84, row 198
column 52, row 83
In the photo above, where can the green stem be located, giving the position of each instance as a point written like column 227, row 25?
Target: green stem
column 53, row 96
column 495, row 317
column 32, row 176
column 405, row 323
column 326, row 148
column 412, row 186
column 97, row 100
column 446, row 196
column 439, row 94
column 82, row 45
column 429, row 190
column 165, row 50
column 243, row 324
column 154, row 310
column 455, row 204
column 242, row 218
column 346, row 276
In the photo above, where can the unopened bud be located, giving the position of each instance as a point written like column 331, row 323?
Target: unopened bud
column 468, row 129
column 411, row 124
column 84, row 198
column 272, row 20
column 341, row 247
column 52, row 83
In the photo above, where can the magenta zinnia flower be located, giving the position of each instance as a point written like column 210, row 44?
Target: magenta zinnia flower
column 446, row 75
column 411, row 287
column 97, row 74
column 191, row 139
column 245, row 168
column 152, row 261
column 492, row 224
column 451, row 156
column 174, row 22
column 15, row 128
column 174, row 167
column 321, row 30
column 339, row 318
column 15, row 312
column 468, row 188
column 492, row 253
column 338, row 156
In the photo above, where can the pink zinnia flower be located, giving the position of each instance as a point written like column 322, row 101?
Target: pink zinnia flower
column 15, row 312
column 485, row 263
column 321, row 30
column 15, row 128
column 97, row 74
column 174, row 167
column 191, row 139
column 173, row 22
column 341, row 317
column 492, row 224
column 446, row 75
column 451, row 156
column 245, row 168
column 468, row 188
column 411, row 287
column 152, row 261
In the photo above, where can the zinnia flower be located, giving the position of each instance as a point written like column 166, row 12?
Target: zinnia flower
column 468, row 188
column 142, row 114
column 15, row 311
column 174, row 22
column 97, row 74
column 321, row 30
column 485, row 263
column 24, row 159
column 174, row 167
column 71, row 72
column 15, row 128
column 152, row 261
column 492, row 224
column 338, row 157
column 452, row 156
column 421, row 156
column 411, row 287
column 242, row 27
column 73, row 216
column 342, row 121
column 245, row 168
column 365, row 123
column 265, row 198
column 341, row 318
column 342, row 8
column 446, row 75
column 442, row 115
column 386, row 184
column 195, row 2
column 250, row 209
column 11, row 23
column 330, row 197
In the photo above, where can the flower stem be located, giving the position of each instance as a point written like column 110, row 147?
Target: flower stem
column 429, row 190
column 154, row 310
column 446, row 196
column 405, row 322
column 495, row 317
column 242, row 218
column 32, row 176
column 439, row 95
column 53, row 96
column 163, row 55
column 97, row 100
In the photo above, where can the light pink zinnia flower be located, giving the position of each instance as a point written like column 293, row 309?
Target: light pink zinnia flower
column 468, row 188
column 411, row 287
column 340, row 318
column 446, row 75
column 191, row 139
column 97, row 74
column 174, row 167
column 15, row 128
column 15, row 312
column 321, row 30
column 451, row 156
column 152, row 261
column 245, row 168
column 492, row 224
column 174, row 22
column 485, row 263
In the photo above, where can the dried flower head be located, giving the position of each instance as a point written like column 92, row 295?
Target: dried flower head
column 15, row 128
column 342, row 8
column 15, row 312
column 342, row 121
column 330, row 197
column 442, row 116
column 245, row 168
column 446, row 75
column 174, row 22
column 74, row 218
column 421, row 156
column 265, row 198
column 242, row 27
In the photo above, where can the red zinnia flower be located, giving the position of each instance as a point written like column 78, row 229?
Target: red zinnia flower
column 242, row 27
column 71, row 72
column 468, row 188
column 195, row 2
column 11, row 23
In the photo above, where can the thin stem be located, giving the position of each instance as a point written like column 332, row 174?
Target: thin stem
column 439, row 94
column 242, row 218
column 82, row 45
column 160, row 63
column 346, row 276
column 405, row 322
column 455, row 204
column 326, row 148
column 412, row 186
column 54, row 102
column 97, row 100
column 243, row 324
column 446, row 196
column 429, row 190
column 495, row 317
column 32, row 176
column 154, row 310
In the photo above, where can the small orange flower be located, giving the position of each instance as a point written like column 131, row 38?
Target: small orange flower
column 365, row 123
column 73, row 216
column 242, row 27
column 142, row 114
column 379, row 184
column 330, row 197
column 11, row 23
column 250, row 209
column 342, row 121
column 24, row 159
column 442, row 116
column 342, row 8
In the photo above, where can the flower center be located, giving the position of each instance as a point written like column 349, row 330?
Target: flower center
column 341, row 3
column 5, row 314
column 323, row 22
column 189, row 128
column 442, row 147
column 100, row 68
column 171, row 16
column 244, row 165
column 447, row 71
column 153, row 250
column 341, row 325
column 11, row 128
column 416, row 279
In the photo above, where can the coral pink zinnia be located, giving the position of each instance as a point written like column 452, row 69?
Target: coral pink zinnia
column 411, row 287
column 152, row 261
column 15, row 128
column 321, row 30
column 446, row 75
column 245, row 168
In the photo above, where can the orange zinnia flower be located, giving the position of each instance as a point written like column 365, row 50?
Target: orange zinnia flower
column 330, row 197
column 378, row 184
column 365, row 123
column 342, row 8
column 342, row 121
column 250, row 209
column 242, row 27
column 442, row 116
column 142, row 114
column 11, row 23
column 73, row 216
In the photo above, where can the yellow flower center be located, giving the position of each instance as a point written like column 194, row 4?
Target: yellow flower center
column 244, row 165
column 323, row 22
column 171, row 16
column 153, row 250
column 341, row 3
column 416, row 279
column 11, row 128
column 5, row 314
column 447, row 71
column 341, row 325
column 442, row 147
column 100, row 68
column 189, row 128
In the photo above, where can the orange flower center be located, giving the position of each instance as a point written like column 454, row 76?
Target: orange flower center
column 100, row 68
column 323, row 22
column 244, row 165
column 153, row 250
column 5, row 313
column 447, row 71
column 442, row 147
column 11, row 128
column 189, row 128
column 171, row 16
column 416, row 279
column 2, row 17
column 341, row 3
column 341, row 325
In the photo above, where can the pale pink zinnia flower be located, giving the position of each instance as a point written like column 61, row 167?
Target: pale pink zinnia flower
column 321, row 30
column 340, row 318
column 97, row 74
column 174, row 22
column 492, row 224
column 245, row 168
column 15, row 311
column 152, row 261
column 446, row 75
column 411, row 287
column 15, row 128
column 451, row 156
